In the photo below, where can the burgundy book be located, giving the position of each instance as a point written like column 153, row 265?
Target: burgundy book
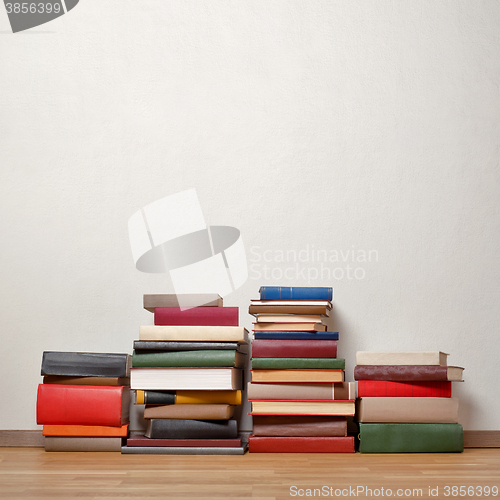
column 299, row 425
column 145, row 441
column 403, row 373
column 196, row 316
column 320, row 444
column 388, row 388
column 263, row 348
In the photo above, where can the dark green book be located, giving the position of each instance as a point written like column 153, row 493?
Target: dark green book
column 410, row 438
column 195, row 359
column 283, row 363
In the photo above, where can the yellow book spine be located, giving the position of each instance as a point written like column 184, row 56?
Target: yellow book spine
column 139, row 398
column 208, row 397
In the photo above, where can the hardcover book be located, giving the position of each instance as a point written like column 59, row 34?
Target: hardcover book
column 62, row 380
column 332, row 407
column 318, row 307
column 85, row 430
column 193, row 333
column 183, row 450
column 203, row 358
column 401, row 358
column 257, row 444
column 296, row 293
column 53, row 443
column 187, row 397
column 287, row 335
column 190, row 411
column 201, row 316
column 171, row 346
column 292, row 327
column 172, row 300
column 387, row 388
column 169, row 428
column 288, row 318
column 283, row 363
column 140, row 440
column 408, row 373
column 294, row 375
column 306, row 391
column 299, row 425
column 272, row 348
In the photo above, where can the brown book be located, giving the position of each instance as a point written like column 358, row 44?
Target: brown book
column 332, row 407
column 190, row 411
column 321, row 307
column 289, row 327
column 187, row 300
column 83, row 443
column 343, row 390
column 295, row 375
column 61, row 379
column 406, row 373
column 298, row 425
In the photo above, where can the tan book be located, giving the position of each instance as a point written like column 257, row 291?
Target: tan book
column 337, row 408
column 342, row 391
column 53, row 443
column 401, row 358
column 288, row 318
column 289, row 327
column 292, row 375
column 190, row 411
column 187, row 300
column 61, row 379
column 299, row 425
column 408, row 410
column 320, row 307
column 194, row 333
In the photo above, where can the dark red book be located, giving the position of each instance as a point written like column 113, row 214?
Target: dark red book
column 388, row 388
column 196, row 316
column 82, row 405
column 258, row 444
column 408, row 373
column 263, row 348
column 145, row 441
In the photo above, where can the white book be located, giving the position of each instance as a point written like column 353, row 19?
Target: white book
column 401, row 358
column 194, row 333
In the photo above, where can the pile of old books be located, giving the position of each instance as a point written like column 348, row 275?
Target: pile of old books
column 405, row 402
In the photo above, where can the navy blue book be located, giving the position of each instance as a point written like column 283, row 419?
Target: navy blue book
column 279, row 335
column 296, row 293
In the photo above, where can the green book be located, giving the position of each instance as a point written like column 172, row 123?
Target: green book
column 204, row 358
column 410, row 438
column 283, row 363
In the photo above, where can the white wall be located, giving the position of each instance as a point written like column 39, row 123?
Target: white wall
column 340, row 125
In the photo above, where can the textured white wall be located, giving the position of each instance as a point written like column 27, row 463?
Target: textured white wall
column 328, row 124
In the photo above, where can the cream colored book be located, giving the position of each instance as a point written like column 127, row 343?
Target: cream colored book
column 308, row 391
column 288, row 318
column 401, row 358
column 345, row 408
column 194, row 333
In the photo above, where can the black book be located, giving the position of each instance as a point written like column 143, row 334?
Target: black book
column 173, row 428
column 86, row 364
column 159, row 345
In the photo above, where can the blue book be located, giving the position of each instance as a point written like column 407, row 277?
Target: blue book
column 296, row 293
column 280, row 335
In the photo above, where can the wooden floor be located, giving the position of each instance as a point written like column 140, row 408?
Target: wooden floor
column 33, row 473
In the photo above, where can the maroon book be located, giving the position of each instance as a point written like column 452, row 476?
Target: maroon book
column 321, row 444
column 263, row 348
column 196, row 316
column 141, row 440
column 404, row 373
column 413, row 389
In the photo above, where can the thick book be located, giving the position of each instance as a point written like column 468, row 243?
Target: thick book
column 85, row 364
column 201, row 316
column 410, row 438
column 85, row 430
column 169, row 428
column 319, row 307
column 65, row 443
column 140, row 440
column 295, row 375
column 193, row 333
column 184, row 450
column 294, row 407
column 193, row 379
column 322, row 444
column 187, row 397
column 299, row 425
column 63, row 380
column 202, row 358
column 388, row 388
column 404, row 373
column 412, row 410
column 292, row 327
column 289, row 318
column 190, row 411
column 82, row 405
column 401, row 358
column 296, row 293
column 272, row 348
column 151, row 301
column 283, row 363
column 342, row 391
column 287, row 335
column 171, row 346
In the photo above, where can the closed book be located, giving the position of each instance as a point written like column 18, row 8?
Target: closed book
column 296, row 293
column 63, row 380
column 85, row 430
column 169, row 428
column 65, row 443
column 183, row 450
column 193, row 333
column 201, row 316
column 299, row 327
column 318, row 307
column 190, row 411
column 282, row 363
column 85, row 364
column 140, row 440
column 166, row 345
column 388, row 388
column 287, row 335
column 185, row 300
column 188, row 397
column 299, row 425
column 401, row 358
column 412, row 410
column 322, row 444
column 410, row 438
column 202, row 358
column 342, row 391
column 288, row 318
column 82, row 405
column 194, row 379
column 272, row 348
column 294, row 375
column 333, row 407
column 408, row 373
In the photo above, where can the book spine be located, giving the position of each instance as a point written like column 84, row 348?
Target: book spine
column 83, row 443
column 144, row 441
column 292, row 425
column 166, row 345
column 192, row 429
column 387, row 388
column 193, row 333
column 156, row 397
column 298, row 363
column 304, row 391
column 85, row 430
column 295, row 293
column 273, row 348
column 190, row 411
column 257, row 444
column 196, row 316
column 401, row 373
column 287, row 335
column 183, row 450
column 204, row 358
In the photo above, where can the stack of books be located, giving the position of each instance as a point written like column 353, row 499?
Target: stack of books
column 300, row 402
column 187, row 370
column 83, row 403
column 405, row 402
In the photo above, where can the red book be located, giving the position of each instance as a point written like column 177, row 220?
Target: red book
column 196, row 316
column 82, row 405
column 258, row 444
column 263, row 348
column 387, row 388
column 145, row 441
